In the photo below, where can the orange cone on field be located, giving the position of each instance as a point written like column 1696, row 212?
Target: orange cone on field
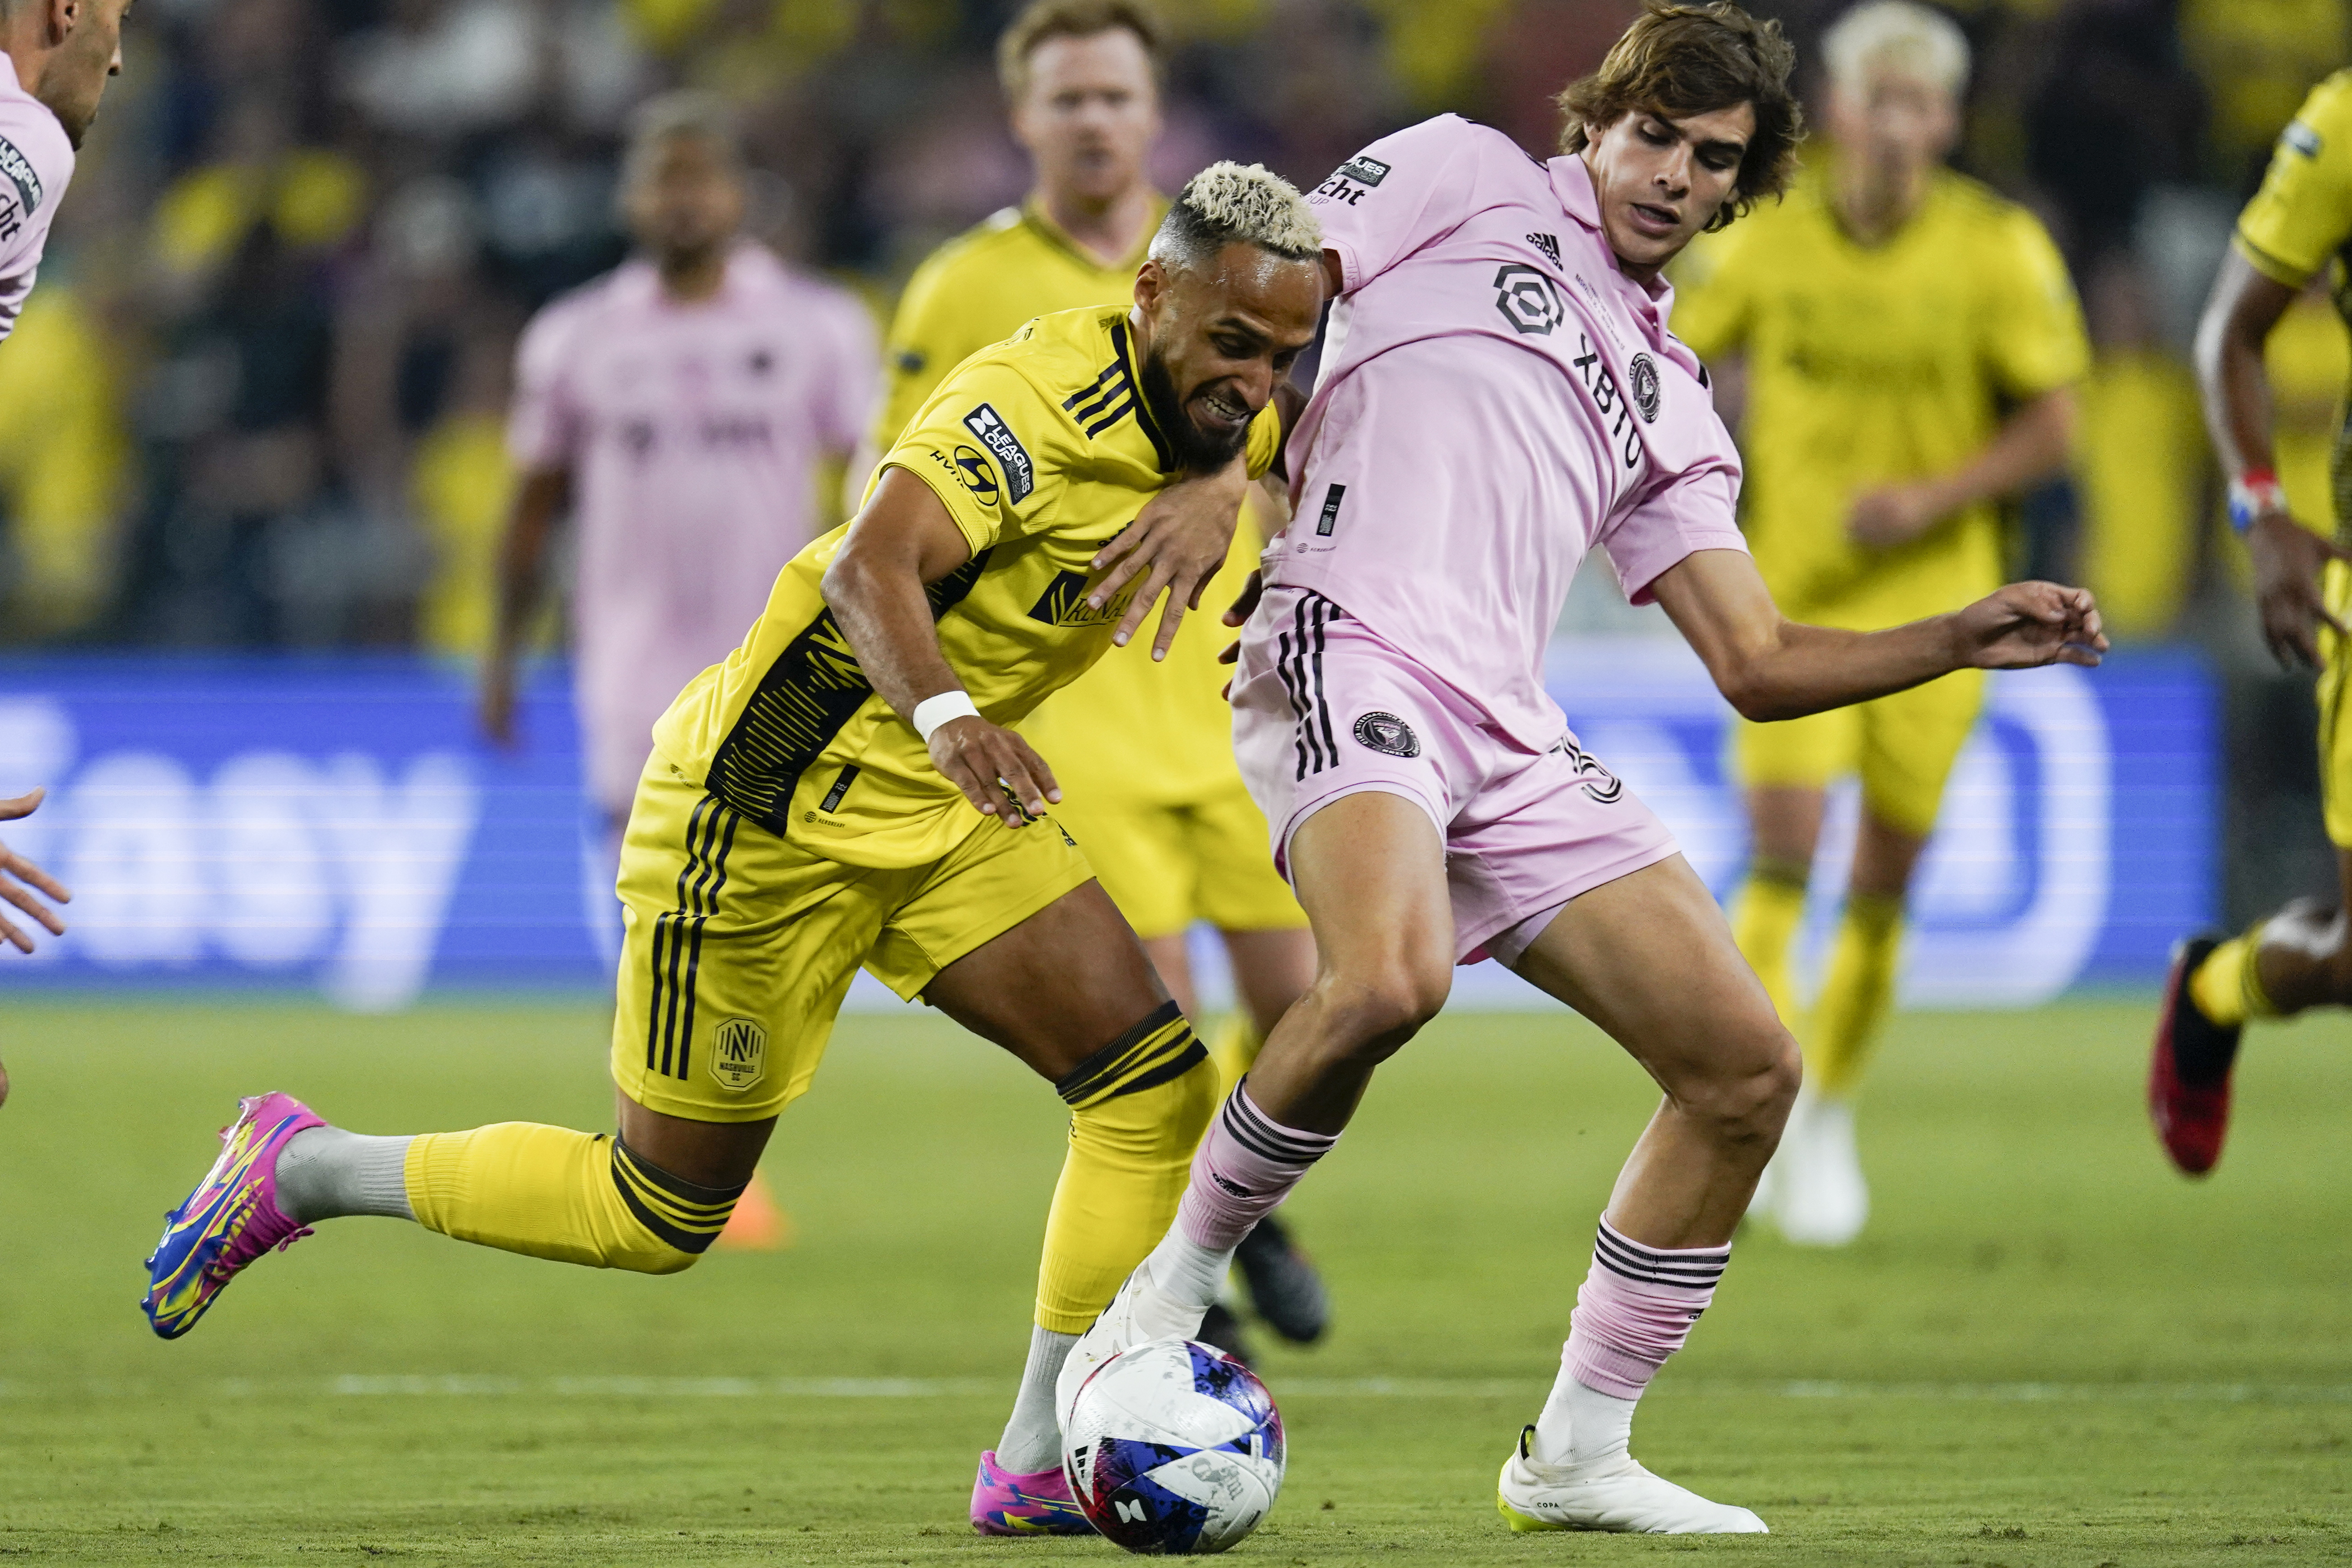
column 759, row 1223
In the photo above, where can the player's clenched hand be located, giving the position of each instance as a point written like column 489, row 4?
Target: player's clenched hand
column 497, row 707
column 1177, row 544
column 15, row 870
column 2030, row 624
column 996, row 769
column 2288, row 559
column 1892, row 515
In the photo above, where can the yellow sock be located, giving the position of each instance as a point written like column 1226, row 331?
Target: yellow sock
column 1765, row 915
column 2227, row 987
column 1233, row 1048
column 549, row 1192
column 1139, row 1106
column 1857, row 995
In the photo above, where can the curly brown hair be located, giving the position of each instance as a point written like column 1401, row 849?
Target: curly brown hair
column 1678, row 60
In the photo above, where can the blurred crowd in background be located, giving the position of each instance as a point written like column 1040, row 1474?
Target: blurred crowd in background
column 258, row 400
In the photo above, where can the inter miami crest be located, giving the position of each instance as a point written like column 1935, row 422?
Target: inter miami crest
column 1643, row 373
column 1388, row 734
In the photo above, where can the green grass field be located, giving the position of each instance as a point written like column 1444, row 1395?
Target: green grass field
column 2047, row 1350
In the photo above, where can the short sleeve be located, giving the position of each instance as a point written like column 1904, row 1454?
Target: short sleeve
column 2034, row 341
column 928, row 339
column 545, row 425
column 851, row 382
column 1389, row 199
column 1713, row 296
column 992, row 447
column 1695, row 510
column 37, row 163
column 2303, row 213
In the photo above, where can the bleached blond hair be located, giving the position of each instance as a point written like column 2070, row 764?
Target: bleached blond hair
column 1228, row 202
column 1912, row 38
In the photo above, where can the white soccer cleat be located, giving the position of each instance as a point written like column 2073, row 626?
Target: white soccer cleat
column 1141, row 1314
column 1819, row 1196
column 1614, row 1495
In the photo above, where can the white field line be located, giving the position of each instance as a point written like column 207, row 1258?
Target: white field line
column 484, row 1385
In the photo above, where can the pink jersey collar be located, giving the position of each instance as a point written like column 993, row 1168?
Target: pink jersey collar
column 1571, row 182
column 752, row 271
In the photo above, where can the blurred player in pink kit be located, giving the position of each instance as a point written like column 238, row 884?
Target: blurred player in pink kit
column 56, row 58
column 1499, row 395
column 680, row 408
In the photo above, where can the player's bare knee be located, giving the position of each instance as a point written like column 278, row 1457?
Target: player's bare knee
column 1370, row 1016
column 1743, row 1095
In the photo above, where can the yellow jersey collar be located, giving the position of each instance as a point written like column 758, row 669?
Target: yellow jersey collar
column 1130, row 359
column 1033, row 213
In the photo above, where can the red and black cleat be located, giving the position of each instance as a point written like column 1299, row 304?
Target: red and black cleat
column 2188, row 1071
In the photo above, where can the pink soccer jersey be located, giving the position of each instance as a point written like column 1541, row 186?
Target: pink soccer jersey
column 1496, row 397
column 692, row 433
column 36, row 162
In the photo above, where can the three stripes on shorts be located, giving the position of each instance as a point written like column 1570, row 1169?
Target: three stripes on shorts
column 1298, row 661
column 677, row 938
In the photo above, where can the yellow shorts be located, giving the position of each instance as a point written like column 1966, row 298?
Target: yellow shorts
column 1903, row 746
column 1168, row 866
column 2335, row 690
column 737, row 947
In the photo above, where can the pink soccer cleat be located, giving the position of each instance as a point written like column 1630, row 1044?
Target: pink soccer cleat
column 230, row 1219
column 1040, row 1504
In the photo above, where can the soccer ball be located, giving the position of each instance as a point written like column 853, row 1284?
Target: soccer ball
column 1173, row 1448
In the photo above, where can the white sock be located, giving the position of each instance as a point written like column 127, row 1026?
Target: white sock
column 1032, row 1437
column 1188, row 1271
column 1583, row 1425
column 325, row 1172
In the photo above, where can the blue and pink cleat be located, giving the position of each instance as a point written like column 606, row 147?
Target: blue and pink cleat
column 1006, row 1504
column 231, row 1218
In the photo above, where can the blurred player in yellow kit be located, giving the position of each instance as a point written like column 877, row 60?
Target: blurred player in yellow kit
column 1144, row 750
column 2299, row 223
column 1888, row 313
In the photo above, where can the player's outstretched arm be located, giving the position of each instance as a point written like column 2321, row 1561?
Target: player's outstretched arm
column 2234, row 385
column 1770, row 667
column 902, row 540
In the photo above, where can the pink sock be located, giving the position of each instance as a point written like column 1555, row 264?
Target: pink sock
column 1635, row 1310
column 1247, row 1166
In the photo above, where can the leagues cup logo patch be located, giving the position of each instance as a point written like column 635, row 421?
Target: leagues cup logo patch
column 1643, row 373
column 1388, row 734
column 1527, row 300
column 1011, row 456
column 738, row 1053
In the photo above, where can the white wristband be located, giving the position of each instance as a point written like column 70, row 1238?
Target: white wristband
column 933, row 711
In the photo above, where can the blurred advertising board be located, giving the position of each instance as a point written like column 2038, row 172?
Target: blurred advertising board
column 334, row 824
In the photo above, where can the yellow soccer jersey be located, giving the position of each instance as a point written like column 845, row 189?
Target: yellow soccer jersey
column 1878, row 365
column 1042, row 450
column 1135, row 731
column 2300, row 221
column 977, row 289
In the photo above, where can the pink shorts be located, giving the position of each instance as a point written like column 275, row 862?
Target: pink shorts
column 1323, row 708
